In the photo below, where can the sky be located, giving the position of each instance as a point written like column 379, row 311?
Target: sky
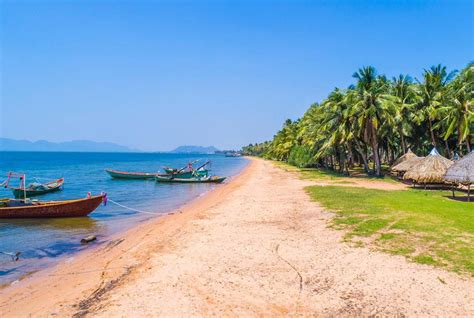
column 154, row 75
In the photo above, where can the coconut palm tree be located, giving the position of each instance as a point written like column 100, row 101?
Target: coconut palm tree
column 430, row 94
column 401, row 98
column 459, row 109
column 284, row 141
column 376, row 119
column 369, row 108
column 337, row 122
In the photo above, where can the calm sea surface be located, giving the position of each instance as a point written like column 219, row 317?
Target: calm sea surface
column 42, row 241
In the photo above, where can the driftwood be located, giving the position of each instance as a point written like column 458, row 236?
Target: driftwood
column 88, row 239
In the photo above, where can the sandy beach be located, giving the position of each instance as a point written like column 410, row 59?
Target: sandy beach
column 256, row 246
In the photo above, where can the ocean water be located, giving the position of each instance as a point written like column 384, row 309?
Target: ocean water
column 42, row 242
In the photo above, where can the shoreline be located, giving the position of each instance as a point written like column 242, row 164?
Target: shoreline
column 103, row 238
column 75, row 264
column 257, row 246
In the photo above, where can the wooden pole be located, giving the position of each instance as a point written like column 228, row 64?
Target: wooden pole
column 469, row 192
column 24, row 187
column 193, row 162
column 452, row 188
column 202, row 166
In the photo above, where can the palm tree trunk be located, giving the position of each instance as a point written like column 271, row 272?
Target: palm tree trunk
column 448, row 152
column 375, row 148
column 402, row 139
column 351, row 156
column 363, row 155
column 433, row 139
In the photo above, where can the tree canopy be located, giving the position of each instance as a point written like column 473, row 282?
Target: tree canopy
column 376, row 120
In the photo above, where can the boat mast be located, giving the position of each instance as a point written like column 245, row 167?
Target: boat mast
column 192, row 162
column 205, row 164
column 24, row 187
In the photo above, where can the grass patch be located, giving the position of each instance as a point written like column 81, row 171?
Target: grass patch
column 424, row 259
column 329, row 175
column 369, row 227
column 387, row 236
column 424, row 226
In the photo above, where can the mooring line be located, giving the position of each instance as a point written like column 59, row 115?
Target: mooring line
column 132, row 209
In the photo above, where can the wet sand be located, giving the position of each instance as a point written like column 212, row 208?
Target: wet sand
column 256, row 246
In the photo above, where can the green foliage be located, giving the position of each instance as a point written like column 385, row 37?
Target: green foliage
column 257, row 149
column 376, row 120
column 300, row 156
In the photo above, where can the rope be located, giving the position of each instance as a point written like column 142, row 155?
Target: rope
column 14, row 256
column 131, row 209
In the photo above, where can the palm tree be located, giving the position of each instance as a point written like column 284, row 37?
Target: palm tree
column 369, row 108
column 430, row 94
column 283, row 141
column 401, row 97
column 459, row 109
column 337, row 123
column 376, row 119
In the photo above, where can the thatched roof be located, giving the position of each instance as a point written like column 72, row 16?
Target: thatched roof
column 430, row 169
column 462, row 171
column 406, row 164
column 409, row 154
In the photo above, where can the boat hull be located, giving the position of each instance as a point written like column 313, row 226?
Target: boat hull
column 53, row 209
column 187, row 174
column 130, row 175
column 190, row 180
column 20, row 193
column 144, row 175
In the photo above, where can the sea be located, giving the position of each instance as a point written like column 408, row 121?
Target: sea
column 44, row 242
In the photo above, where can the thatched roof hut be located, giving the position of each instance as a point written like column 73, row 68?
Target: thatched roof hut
column 408, row 155
column 407, row 164
column 462, row 171
column 430, row 169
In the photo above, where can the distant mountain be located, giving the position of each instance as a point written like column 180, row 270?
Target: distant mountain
column 195, row 149
column 7, row 144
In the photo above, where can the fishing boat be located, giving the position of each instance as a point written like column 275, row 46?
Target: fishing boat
column 129, row 175
column 34, row 189
column 188, row 171
column 145, row 175
column 207, row 179
column 233, row 154
column 27, row 208
column 199, row 172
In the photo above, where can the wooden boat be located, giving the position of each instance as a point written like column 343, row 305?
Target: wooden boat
column 233, row 154
column 129, row 175
column 145, row 175
column 190, row 174
column 14, row 209
column 38, row 189
column 169, row 179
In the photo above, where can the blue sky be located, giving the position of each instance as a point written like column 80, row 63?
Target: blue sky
column 157, row 74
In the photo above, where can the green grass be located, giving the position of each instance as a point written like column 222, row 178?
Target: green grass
column 329, row 175
column 425, row 226
column 310, row 173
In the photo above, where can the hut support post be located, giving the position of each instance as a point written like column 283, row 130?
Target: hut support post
column 469, row 192
column 452, row 189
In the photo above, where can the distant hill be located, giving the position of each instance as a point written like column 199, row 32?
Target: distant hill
column 7, row 144
column 195, row 149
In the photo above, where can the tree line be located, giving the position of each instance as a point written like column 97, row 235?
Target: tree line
column 377, row 119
